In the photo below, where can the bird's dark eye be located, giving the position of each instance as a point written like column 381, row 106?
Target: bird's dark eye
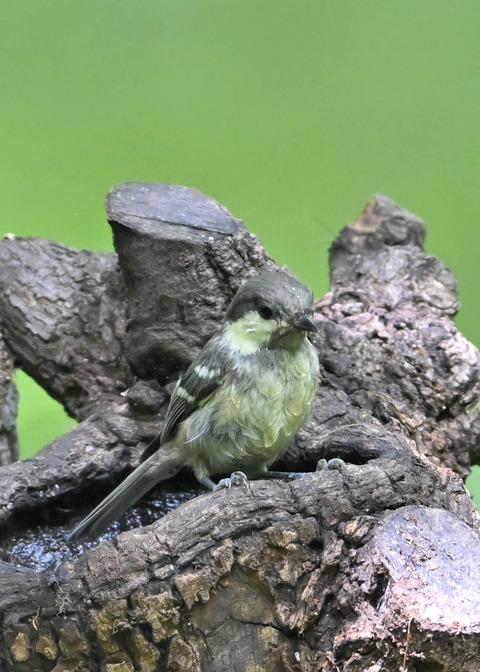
column 265, row 311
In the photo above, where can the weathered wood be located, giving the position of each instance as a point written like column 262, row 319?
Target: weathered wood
column 8, row 407
column 394, row 348
column 63, row 317
column 373, row 566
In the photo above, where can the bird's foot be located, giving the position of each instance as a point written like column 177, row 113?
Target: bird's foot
column 237, row 478
column 335, row 463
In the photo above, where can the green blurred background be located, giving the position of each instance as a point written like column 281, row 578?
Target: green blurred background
column 290, row 114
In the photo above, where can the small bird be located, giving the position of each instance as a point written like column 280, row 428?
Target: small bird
column 240, row 402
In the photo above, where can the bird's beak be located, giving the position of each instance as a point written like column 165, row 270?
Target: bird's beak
column 304, row 323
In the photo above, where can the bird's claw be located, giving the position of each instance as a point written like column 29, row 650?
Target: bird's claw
column 335, row 463
column 237, row 478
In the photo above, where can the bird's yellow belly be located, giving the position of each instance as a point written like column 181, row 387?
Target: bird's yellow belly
column 250, row 421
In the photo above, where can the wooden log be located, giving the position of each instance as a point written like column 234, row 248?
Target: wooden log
column 372, row 566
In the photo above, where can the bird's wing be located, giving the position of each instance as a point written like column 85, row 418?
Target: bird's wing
column 203, row 376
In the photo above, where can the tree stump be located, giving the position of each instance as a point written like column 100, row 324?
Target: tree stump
column 372, row 566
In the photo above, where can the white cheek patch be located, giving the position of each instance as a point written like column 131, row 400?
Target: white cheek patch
column 249, row 333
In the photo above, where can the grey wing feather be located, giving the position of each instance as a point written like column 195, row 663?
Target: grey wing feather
column 202, row 377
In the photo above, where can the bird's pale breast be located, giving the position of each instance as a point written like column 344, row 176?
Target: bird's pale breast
column 251, row 418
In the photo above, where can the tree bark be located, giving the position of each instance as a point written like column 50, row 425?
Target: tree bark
column 371, row 566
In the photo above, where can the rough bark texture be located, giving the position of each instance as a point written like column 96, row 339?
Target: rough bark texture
column 373, row 566
column 8, row 407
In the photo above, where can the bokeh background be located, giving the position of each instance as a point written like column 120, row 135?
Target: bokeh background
column 290, row 114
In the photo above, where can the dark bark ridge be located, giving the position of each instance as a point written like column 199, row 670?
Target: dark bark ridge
column 373, row 566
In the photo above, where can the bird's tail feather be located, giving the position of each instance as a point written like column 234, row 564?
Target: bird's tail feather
column 158, row 467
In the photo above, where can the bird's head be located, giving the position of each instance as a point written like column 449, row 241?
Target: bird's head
column 270, row 310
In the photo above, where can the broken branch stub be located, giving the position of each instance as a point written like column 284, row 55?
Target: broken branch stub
column 182, row 256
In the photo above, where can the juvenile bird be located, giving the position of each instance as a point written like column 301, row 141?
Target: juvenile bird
column 240, row 402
